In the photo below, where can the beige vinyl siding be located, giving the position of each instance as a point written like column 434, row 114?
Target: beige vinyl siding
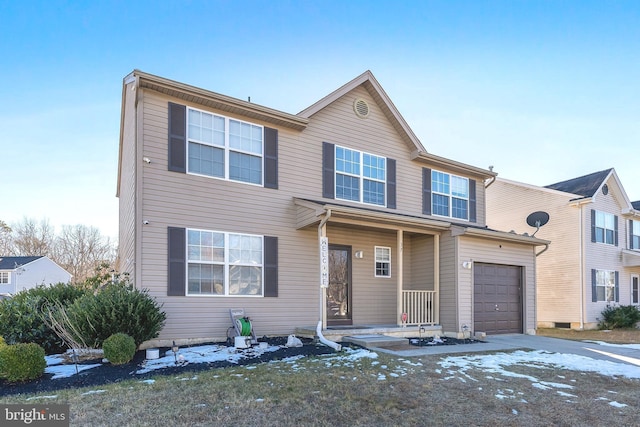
column 602, row 256
column 448, row 283
column 420, row 263
column 127, row 187
column 496, row 252
column 559, row 276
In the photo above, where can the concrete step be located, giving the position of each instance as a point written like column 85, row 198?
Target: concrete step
column 374, row 340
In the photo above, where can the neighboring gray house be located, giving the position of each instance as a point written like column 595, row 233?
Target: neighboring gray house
column 228, row 204
column 594, row 257
column 18, row 273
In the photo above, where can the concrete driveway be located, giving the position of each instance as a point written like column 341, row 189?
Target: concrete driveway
column 508, row 342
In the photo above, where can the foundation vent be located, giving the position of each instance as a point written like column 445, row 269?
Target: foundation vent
column 361, row 108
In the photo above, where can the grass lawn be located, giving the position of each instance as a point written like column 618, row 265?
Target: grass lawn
column 374, row 390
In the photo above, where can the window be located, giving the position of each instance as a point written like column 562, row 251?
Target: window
column 4, row 277
column 635, row 290
column 605, row 228
column 360, row 177
column 605, row 285
column 635, row 235
column 225, row 148
column 223, row 263
column 450, row 195
column 383, row 261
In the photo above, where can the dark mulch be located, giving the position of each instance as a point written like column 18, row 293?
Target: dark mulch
column 429, row 341
column 108, row 374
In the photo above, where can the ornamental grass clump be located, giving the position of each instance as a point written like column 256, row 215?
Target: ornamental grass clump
column 119, row 348
column 22, row 362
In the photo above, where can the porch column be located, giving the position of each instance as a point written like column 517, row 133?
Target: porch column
column 436, row 277
column 400, row 268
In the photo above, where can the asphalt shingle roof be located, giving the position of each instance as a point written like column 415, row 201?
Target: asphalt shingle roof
column 9, row 262
column 585, row 186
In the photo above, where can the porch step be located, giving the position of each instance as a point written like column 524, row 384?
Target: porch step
column 374, row 340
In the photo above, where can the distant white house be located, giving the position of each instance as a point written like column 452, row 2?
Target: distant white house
column 25, row 272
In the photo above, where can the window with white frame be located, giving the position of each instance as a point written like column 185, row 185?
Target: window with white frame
column 225, row 148
column 635, row 235
column 450, row 195
column 360, row 176
column 605, row 228
column 224, row 263
column 605, row 285
column 383, row 261
column 4, row 277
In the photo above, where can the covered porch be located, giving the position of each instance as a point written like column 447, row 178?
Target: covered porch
column 354, row 300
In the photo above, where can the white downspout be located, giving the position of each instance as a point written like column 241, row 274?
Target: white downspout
column 323, row 292
column 582, row 284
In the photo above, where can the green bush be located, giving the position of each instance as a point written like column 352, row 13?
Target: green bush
column 116, row 307
column 624, row 316
column 21, row 320
column 22, row 362
column 119, row 348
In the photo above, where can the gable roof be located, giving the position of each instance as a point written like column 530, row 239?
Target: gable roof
column 13, row 262
column 374, row 88
column 585, row 186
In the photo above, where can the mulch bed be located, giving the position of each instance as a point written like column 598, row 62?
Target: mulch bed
column 108, row 374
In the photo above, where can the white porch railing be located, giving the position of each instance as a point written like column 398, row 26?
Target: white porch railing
column 420, row 307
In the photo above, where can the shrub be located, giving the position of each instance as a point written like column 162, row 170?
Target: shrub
column 22, row 362
column 20, row 316
column 624, row 316
column 116, row 307
column 119, row 348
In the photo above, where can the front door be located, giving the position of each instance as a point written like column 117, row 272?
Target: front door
column 339, row 290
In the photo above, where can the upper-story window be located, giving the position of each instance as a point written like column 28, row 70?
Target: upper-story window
column 605, row 228
column 224, row 263
column 634, row 234
column 225, row 148
column 360, row 176
column 4, row 277
column 450, row 195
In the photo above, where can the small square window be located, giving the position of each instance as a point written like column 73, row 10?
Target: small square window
column 383, row 261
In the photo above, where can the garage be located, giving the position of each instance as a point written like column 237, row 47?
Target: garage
column 497, row 298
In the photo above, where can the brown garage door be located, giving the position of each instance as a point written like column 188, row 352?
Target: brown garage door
column 497, row 298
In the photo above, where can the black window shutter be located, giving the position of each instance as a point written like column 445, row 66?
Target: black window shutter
column 593, row 225
column 617, row 286
column 270, row 252
column 631, row 235
column 270, row 158
column 177, row 137
column 177, row 261
column 328, row 170
column 472, row 200
column 594, row 291
column 426, row 191
column 615, row 229
column 391, row 183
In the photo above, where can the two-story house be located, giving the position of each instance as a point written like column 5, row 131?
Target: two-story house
column 335, row 216
column 594, row 257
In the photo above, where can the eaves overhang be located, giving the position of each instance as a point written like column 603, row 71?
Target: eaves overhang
column 312, row 212
column 503, row 236
column 218, row 101
column 462, row 168
column 630, row 258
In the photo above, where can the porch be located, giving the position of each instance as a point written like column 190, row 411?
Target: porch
column 338, row 333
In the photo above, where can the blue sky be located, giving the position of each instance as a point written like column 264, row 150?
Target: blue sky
column 542, row 90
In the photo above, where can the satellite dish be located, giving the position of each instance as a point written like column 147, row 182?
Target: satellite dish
column 537, row 220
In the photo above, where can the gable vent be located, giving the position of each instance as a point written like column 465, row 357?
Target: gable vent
column 361, row 108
